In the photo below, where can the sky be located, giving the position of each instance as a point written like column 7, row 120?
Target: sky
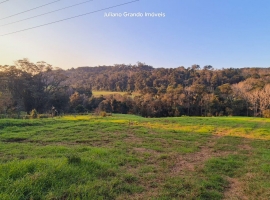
column 221, row 33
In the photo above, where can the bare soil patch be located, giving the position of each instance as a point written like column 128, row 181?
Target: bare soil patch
column 144, row 150
column 235, row 190
column 245, row 146
column 191, row 161
column 133, row 139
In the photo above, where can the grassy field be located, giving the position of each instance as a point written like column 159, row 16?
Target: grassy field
column 129, row 157
column 106, row 93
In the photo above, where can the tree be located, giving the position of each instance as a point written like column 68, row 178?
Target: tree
column 75, row 100
column 5, row 102
column 253, row 97
column 241, row 91
column 264, row 99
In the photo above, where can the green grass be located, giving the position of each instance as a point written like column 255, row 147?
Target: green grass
column 130, row 157
column 106, row 93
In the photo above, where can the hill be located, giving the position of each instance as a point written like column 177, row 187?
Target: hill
column 161, row 92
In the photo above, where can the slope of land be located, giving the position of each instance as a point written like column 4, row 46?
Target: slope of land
column 130, row 157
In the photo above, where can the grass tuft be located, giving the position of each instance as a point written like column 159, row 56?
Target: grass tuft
column 73, row 159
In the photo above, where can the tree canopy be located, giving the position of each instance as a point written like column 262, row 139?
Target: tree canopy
column 200, row 91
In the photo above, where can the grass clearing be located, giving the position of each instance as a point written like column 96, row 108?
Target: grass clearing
column 130, row 157
column 107, row 93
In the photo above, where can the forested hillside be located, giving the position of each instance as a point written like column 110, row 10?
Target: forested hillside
column 194, row 91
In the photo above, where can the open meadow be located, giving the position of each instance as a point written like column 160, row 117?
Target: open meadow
column 107, row 93
column 130, row 157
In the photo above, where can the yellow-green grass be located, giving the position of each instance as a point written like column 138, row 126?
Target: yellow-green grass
column 130, row 157
column 106, row 93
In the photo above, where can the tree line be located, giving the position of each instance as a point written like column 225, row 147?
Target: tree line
column 192, row 91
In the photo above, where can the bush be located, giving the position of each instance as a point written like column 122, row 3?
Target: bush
column 42, row 116
column 266, row 113
column 79, row 109
column 103, row 114
column 34, row 114
column 27, row 117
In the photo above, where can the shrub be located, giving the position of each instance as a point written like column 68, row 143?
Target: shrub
column 42, row 116
column 221, row 113
column 79, row 109
column 34, row 114
column 103, row 114
column 209, row 115
column 27, row 117
column 266, row 113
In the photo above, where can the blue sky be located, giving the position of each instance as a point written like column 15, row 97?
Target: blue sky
column 221, row 33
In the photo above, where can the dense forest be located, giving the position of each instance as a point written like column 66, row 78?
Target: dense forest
column 192, row 91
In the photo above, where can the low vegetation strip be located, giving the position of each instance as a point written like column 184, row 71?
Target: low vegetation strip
column 107, row 93
column 130, row 157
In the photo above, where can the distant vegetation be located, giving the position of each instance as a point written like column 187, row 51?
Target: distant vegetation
column 130, row 157
column 105, row 93
column 96, row 93
column 136, row 89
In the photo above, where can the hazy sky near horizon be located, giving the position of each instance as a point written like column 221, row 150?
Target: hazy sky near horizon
column 221, row 33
